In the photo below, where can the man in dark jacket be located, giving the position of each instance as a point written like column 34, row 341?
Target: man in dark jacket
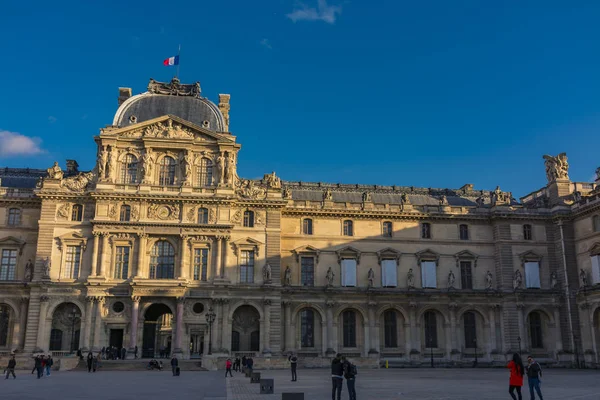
column 337, row 377
column 250, row 363
column 534, row 374
column 39, row 366
column 350, row 375
column 10, row 368
column 293, row 363
column 174, row 364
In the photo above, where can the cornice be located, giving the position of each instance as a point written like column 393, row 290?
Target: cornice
column 175, row 224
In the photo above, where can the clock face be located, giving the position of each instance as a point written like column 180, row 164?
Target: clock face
column 163, row 212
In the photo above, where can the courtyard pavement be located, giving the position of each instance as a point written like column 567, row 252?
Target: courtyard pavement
column 409, row 384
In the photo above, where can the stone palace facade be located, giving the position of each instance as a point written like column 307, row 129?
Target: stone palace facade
column 163, row 233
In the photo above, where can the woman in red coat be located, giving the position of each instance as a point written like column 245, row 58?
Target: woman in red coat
column 516, row 376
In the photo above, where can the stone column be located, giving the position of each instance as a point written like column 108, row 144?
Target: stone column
column 367, row 341
column 448, row 339
column 41, row 339
column 89, row 309
column 225, row 326
column 558, row 336
column 416, row 338
column 330, row 350
column 217, row 336
column 453, row 337
column 493, row 341
column 224, row 261
column 139, row 268
column 373, row 348
column 407, row 339
column 98, row 325
column 183, row 257
column 94, row 270
column 217, row 264
column 522, row 331
column 22, row 321
column 179, row 326
column 289, row 334
column 135, row 309
column 267, row 312
column 104, row 255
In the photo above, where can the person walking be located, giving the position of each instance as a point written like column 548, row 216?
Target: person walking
column 293, row 364
column 174, row 365
column 35, row 363
column 244, row 361
column 228, row 368
column 250, row 364
column 534, row 375
column 49, row 364
column 39, row 366
column 350, row 373
column 96, row 362
column 10, row 368
column 337, row 377
column 123, row 353
column 517, row 370
column 90, row 361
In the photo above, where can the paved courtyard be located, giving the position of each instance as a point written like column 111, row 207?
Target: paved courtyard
column 409, row 384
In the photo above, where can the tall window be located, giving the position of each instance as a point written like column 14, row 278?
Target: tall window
column 464, row 231
column 200, row 264
column 72, row 262
column 596, row 223
column 205, row 172
column 470, row 326
column 167, row 171
column 348, row 272
column 122, row 262
column 235, row 341
column 8, row 265
column 466, row 275
column 56, row 340
column 125, row 214
column 535, row 330
column 390, row 322
column 532, row 275
column 254, row 341
column 249, row 219
column 14, row 216
column 307, row 271
column 162, row 261
column 77, row 212
column 425, row 230
column 129, row 169
column 349, row 323
column 307, row 327
column 527, row 232
column 307, row 226
column 4, row 324
column 389, row 276
column 348, row 228
column 429, row 274
column 247, row 266
column 387, row 229
column 430, row 329
column 203, row 215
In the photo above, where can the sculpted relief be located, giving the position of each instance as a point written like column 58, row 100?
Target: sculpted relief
column 556, row 167
column 163, row 212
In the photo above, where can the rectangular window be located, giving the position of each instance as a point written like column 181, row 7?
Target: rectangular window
column 14, row 216
column 387, row 229
column 532, row 275
column 247, row 266
column 122, row 262
column 425, row 230
column 428, row 274
column 595, row 269
column 466, row 275
column 464, row 232
column 8, row 265
column 348, row 228
column 389, row 277
column 307, row 226
column 349, row 272
column 307, row 271
column 72, row 262
column 527, row 235
column 200, row 264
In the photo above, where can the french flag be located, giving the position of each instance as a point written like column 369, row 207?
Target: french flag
column 171, row 61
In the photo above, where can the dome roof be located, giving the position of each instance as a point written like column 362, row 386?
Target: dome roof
column 171, row 98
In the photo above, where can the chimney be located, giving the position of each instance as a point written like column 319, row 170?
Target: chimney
column 72, row 167
column 124, row 94
column 224, row 107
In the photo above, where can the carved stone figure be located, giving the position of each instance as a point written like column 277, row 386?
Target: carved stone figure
column 480, row 201
column 451, row 279
column 330, row 275
column 47, row 266
column 371, row 277
column 267, row 273
column 112, row 157
column 366, row 197
column 443, row 200
column 174, row 88
column 102, row 160
column 230, row 176
column 246, row 188
column 287, row 193
column 489, row 280
column 556, row 167
column 147, row 164
column 287, row 278
column 77, row 183
column 55, row 172
column 553, row 280
column 63, row 211
column 498, row 196
column 221, row 169
column 135, row 213
column 405, row 199
column 583, row 278
column 517, row 280
column 29, row 271
column 410, row 279
column 272, row 180
column 327, row 195
column 185, row 163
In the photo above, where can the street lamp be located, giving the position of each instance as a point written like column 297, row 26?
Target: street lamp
column 476, row 361
column 73, row 317
column 519, row 340
column 210, row 318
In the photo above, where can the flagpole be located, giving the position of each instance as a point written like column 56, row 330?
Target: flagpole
column 179, row 59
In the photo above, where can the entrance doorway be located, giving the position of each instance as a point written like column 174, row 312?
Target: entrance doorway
column 157, row 331
column 116, row 338
column 196, row 344
column 245, row 329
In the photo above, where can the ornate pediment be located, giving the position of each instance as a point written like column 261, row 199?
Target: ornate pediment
column 387, row 254
column 307, row 250
column 466, row 255
column 14, row 242
column 348, row 252
column 72, row 238
column 246, row 244
column 595, row 250
column 427, row 255
column 529, row 256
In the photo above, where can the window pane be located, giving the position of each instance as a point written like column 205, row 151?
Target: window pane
column 205, row 172
column 203, row 215
column 200, row 264
column 391, row 328
column 464, row 232
column 527, row 232
column 247, row 266
column 162, row 261
column 122, row 262
column 348, row 228
column 428, row 274
column 349, row 329
column 425, row 231
column 307, row 226
column 125, row 214
column 470, row 330
column 349, row 272
column 535, row 330
column 387, row 229
column 532, row 275
column 167, row 171
column 249, row 219
column 14, row 216
column 595, row 269
column 430, row 329
column 307, row 266
column 129, row 169
column 77, row 213
column 8, row 264
column 307, row 328
column 466, row 276
column 388, row 273
column 72, row 262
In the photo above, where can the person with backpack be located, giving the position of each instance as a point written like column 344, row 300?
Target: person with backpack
column 293, row 363
column 350, row 373
column 534, row 375
column 49, row 364
column 517, row 370
column 337, row 377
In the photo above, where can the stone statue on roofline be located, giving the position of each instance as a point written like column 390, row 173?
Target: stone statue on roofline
column 55, row 172
column 557, row 167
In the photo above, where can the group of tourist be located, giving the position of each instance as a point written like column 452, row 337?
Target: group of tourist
column 93, row 362
column 342, row 368
column 237, row 364
column 533, row 370
column 113, row 353
column 41, row 363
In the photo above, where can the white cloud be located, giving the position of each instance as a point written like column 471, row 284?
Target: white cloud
column 266, row 44
column 323, row 12
column 52, row 119
column 15, row 144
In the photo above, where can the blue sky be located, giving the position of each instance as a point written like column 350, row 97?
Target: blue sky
column 428, row 93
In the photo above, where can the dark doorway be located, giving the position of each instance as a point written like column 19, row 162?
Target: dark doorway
column 157, row 331
column 116, row 338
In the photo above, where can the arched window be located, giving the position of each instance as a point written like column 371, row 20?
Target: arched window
column 430, row 320
column 596, row 223
column 56, row 340
column 535, row 330
column 14, row 216
column 125, row 214
column 203, row 215
column 349, row 323
column 387, row 229
column 307, row 226
column 464, row 231
column 527, row 232
column 205, row 172
column 235, row 341
column 4, row 324
column 470, row 327
column 348, row 228
column 77, row 212
column 167, row 171
column 390, row 328
column 129, row 169
column 162, row 262
column 307, row 328
column 249, row 219
column 255, row 341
